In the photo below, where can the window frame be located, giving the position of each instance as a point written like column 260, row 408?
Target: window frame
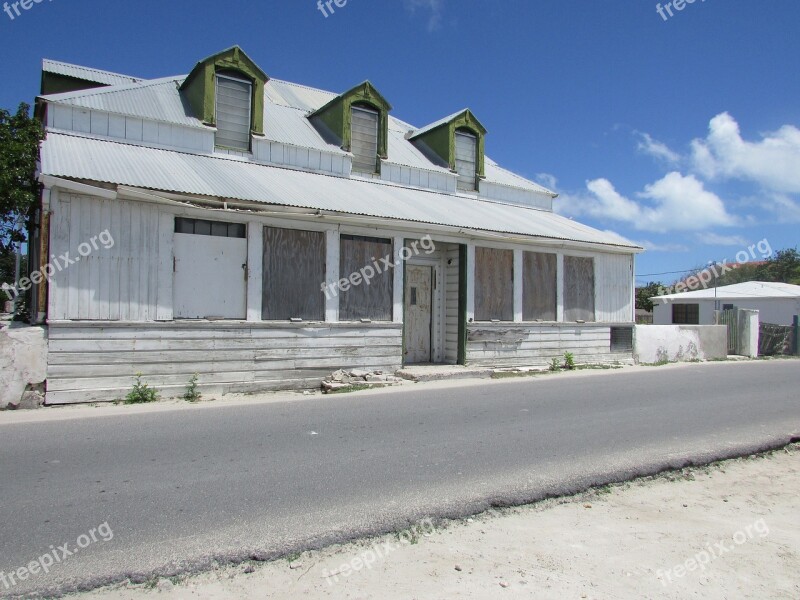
column 690, row 313
column 369, row 109
column 462, row 178
column 232, row 77
column 346, row 287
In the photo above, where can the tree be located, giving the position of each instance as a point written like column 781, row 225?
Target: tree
column 20, row 135
column 783, row 267
column 643, row 295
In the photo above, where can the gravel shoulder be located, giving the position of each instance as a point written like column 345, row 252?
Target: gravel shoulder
column 729, row 530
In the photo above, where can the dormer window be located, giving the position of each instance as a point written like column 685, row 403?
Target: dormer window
column 233, row 113
column 466, row 160
column 364, row 139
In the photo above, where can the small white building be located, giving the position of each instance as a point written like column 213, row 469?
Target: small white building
column 777, row 303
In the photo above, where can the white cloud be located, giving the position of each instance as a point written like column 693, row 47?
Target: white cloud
column 714, row 239
column 656, row 247
column 436, row 8
column 547, row 180
column 656, row 149
column 673, row 203
column 785, row 209
column 773, row 162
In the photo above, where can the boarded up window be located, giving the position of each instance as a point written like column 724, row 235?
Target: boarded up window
column 364, row 140
column 539, row 294
column 294, row 271
column 494, row 284
column 234, row 98
column 371, row 300
column 466, row 159
column 578, row 289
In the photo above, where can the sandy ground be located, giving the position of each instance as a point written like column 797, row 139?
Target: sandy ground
column 731, row 530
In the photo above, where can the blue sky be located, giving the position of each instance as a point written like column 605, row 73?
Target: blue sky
column 680, row 134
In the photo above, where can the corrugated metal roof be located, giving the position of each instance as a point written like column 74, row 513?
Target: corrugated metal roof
column 285, row 119
column 435, row 124
column 748, row 289
column 155, row 99
column 139, row 166
column 85, row 73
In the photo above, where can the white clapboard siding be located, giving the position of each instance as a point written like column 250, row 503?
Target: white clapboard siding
column 91, row 362
column 421, row 178
column 296, row 157
column 451, row 305
column 131, row 129
column 509, row 195
column 614, row 281
column 128, row 278
column 509, row 344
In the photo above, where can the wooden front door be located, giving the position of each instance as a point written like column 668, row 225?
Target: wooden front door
column 418, row 313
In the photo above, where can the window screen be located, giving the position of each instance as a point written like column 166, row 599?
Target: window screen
column 578, row 289
column 686, row 314
column 539, row 274
column 294, row 271
column 233, row 112
column 494, row 284
column 364, row 139
column 466, row 158
column 621, row 339
column 373, row 300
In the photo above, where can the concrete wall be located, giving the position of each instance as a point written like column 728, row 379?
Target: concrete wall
column 23, row 360
column 676, row 343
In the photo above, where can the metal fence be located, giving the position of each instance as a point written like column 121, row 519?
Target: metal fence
column 778, row 340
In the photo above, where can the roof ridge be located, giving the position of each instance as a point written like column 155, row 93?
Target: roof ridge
column 137, row 85
column 92, row 69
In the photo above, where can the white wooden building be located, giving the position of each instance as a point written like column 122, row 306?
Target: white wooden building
column 217, row 223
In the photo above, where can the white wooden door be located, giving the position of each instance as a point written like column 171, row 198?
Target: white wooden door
column 210, row 277
column 418, row 313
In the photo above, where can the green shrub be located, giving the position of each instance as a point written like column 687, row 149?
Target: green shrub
column 554, row 365
column 192, row 395
column 569, row 360
column 141, row 393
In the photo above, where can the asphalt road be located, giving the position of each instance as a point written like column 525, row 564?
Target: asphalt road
column 185, row 488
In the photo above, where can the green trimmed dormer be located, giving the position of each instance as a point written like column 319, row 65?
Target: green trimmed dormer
column 458, row 143
column 357, row 120
column 226, row 91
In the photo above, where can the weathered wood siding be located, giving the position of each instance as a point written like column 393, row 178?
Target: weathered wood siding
column 129, row 281
column 90, row 362
column 451, row 304
column 373, row 300
column 539, row 287
column 614, row 286
column 494, row 284
column 579, row 289
column 508, row 345
column 294, row 271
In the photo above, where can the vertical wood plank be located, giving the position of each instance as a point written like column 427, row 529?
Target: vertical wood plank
column 166, row 229
column 470, row 268
column 114, row 262
column 255, row 270
column 332, row 275
column 399, row 281
column 560, row 287
column 518, row 286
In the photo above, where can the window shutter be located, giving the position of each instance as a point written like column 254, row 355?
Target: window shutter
column 466, row 157
column 364, row 140
column 234, row 97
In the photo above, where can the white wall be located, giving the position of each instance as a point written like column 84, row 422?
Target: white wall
column 676, row 343
column 23, row 360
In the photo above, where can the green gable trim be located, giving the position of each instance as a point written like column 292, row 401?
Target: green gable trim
column 442, row 139
column 336, row 115
column 199, row 89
